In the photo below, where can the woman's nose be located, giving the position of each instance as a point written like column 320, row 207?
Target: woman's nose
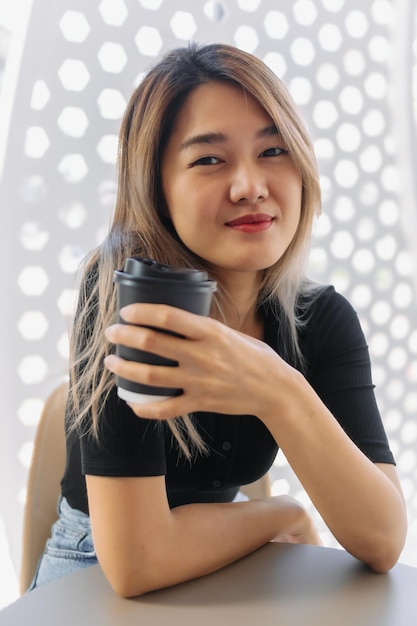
column 248, row 185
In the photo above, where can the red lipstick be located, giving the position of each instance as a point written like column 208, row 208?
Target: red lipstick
column 251, row 223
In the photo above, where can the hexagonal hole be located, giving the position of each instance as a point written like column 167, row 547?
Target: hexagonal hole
column 305, row 12
column 33, row 236
column 32, row 369
column 74, row 26
column 36, row 142
column 330, row 37
column 73, row 121
column 107, row 191
column 183, row 25
column 249, row 5
column 215, row 11
column 70, row 258
column 354, row 62
column 328, row 76
column 107, row 148
column 302, row 51
column 113, row 12
column 101, row 233
column 357, row 24
column 62, row 346
column 276, row 25
column 246, row 38
column 325, row 114
column 301, row 90
column 33, row 189
column 153, row 5
column 67, row 302
column 30, row 410
column 73, row 168
column 333, row 5
column 33, row 280
column 25, row 453
column 73, row 75
column 111, row 104
column 73, row 215
column 40, row 95
column 33, row 325
column 276, row 62
column 22, row 495
column 148, row 41
column 112, row 57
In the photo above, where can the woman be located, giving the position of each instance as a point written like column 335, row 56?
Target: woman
column 216, row 172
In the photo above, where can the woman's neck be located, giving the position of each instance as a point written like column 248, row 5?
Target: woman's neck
column 241, row 309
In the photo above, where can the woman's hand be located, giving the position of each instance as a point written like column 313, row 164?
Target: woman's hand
column 302, row 530
column 219, row 369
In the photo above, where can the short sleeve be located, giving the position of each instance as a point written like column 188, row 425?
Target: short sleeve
column 127, row 445
column 339, row 369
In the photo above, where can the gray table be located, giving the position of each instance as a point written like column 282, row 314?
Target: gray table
column 278, row 585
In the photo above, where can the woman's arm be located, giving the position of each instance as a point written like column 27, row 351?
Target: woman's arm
column 142, row 545
column 361, row 502
column 224, row 371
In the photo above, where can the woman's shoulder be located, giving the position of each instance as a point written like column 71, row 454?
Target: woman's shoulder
column 318, row 304
column 329, row 325
column 324, row 306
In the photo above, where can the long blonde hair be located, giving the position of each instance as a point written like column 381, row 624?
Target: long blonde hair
column 140, row 228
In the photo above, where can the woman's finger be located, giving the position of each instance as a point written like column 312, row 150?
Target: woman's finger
column 167, row 318
column 145, row 374
column 147, row 340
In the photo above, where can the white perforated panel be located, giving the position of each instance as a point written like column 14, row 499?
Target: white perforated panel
column 80, row 63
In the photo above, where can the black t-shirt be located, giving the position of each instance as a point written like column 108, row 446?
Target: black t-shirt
column 241, row 449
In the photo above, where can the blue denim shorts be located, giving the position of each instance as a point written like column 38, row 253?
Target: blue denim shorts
column 69, row 548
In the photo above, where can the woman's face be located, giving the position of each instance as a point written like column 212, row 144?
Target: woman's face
column 232, row 191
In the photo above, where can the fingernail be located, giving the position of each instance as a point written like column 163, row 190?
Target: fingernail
column 109, row 361
column 124, row 311
column 108, row 332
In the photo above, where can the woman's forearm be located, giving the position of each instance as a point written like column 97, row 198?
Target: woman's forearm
column 142, row 545
column 361, row 502
column 207, row 537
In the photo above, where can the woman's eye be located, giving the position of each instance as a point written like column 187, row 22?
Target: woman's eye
column 207, row 160
column 271, row 152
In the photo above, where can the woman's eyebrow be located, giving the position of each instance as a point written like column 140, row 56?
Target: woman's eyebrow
column 268, row 131
column 211, row 138
column 204, row 138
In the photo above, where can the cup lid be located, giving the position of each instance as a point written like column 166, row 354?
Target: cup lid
column 139, row 267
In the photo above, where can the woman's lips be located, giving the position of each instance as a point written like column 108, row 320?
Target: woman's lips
column 252, row 223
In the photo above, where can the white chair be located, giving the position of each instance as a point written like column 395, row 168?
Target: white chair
column 43, row 486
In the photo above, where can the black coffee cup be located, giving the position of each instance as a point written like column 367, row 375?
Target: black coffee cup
column 145, row 280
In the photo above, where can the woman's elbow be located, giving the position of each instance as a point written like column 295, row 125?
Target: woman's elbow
column 384, row 553
column 130, row 576
column 126, row 588
column 131, row 584
column 382, row 563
